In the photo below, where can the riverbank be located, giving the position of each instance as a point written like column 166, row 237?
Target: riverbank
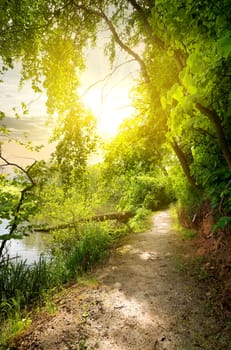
column 25, row 287
column 28, row 248
column 142, row 298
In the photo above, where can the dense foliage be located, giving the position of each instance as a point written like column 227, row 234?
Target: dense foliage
column 177, row 144
column 182, row 96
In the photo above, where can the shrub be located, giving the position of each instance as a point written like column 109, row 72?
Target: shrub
column 148, row 191
column 90, row 248
column 140, row 222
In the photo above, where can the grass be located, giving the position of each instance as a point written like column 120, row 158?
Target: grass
column 185, row 234
column 89, row 281
column 193, row 267
column 23, row 285
column 12, row 327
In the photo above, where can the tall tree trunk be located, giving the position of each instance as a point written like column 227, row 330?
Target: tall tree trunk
column 216, row 121
column 184, row 164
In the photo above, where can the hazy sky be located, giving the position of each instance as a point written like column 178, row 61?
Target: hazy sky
column 33, row 129
column 108, row 98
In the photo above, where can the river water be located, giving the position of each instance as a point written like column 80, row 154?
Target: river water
column 29, row 248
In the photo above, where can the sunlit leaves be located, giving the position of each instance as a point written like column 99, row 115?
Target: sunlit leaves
column 184, row 48
column 60, row 69
column 76, row 139
column 189, row 82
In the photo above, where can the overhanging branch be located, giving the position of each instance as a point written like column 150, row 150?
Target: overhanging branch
column 180, row 61
column 117, row 39
column 109, row 75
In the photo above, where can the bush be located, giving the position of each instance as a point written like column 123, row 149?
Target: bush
column 91, row 247
column 149, row 191
column 140, row 222
column 188, row 200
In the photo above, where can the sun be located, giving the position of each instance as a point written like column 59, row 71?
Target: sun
column 110, row 108
column 106, row 90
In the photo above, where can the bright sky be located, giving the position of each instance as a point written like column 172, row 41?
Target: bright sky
column 107, row 96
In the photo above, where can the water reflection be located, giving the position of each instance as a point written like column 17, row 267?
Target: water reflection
column 30, row 247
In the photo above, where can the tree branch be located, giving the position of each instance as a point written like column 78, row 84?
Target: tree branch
column 184, row 164
column 122, row 217
column 109, row 75
column 21, row 199
column 117, row 39
column 204, row 132
column 180, row 61
column 146, row 24
column 25, row 172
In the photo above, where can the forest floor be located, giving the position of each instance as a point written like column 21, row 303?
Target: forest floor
column 142, row 298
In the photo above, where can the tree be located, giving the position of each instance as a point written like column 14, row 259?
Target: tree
column 17, row 200
column 133, row 168
column 182, row 49
column 76, row 139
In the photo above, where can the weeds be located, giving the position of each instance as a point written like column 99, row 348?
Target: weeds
column 11, row 328
column 194, row 267
column 81, row 345
column 187, row 234
column 22, row 284
column 92, row 247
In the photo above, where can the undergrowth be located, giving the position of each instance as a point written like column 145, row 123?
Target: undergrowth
column 23, row 285
column 184, row 233
column 141, row 221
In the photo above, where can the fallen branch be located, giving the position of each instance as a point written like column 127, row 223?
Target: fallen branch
column 122, row 217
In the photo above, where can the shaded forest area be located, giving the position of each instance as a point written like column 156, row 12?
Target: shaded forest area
column 176, row 147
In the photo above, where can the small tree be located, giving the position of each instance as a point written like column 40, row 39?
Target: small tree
column 17, row 200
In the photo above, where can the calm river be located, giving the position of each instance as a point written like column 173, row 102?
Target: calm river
column 28, row 248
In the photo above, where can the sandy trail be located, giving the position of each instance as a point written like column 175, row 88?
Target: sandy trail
column 141, row 301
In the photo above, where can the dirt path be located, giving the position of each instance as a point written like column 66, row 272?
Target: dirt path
column 140, row 302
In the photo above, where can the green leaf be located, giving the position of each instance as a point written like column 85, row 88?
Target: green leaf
column 196, row 63
column 187, row 104
column 176, row 93
column 2, row 115
column 222, row 223
column 189, row 83
column 224, row 46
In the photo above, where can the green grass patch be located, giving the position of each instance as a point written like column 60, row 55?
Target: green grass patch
column 11, row 328
column 193, row 267
column 187, row 234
